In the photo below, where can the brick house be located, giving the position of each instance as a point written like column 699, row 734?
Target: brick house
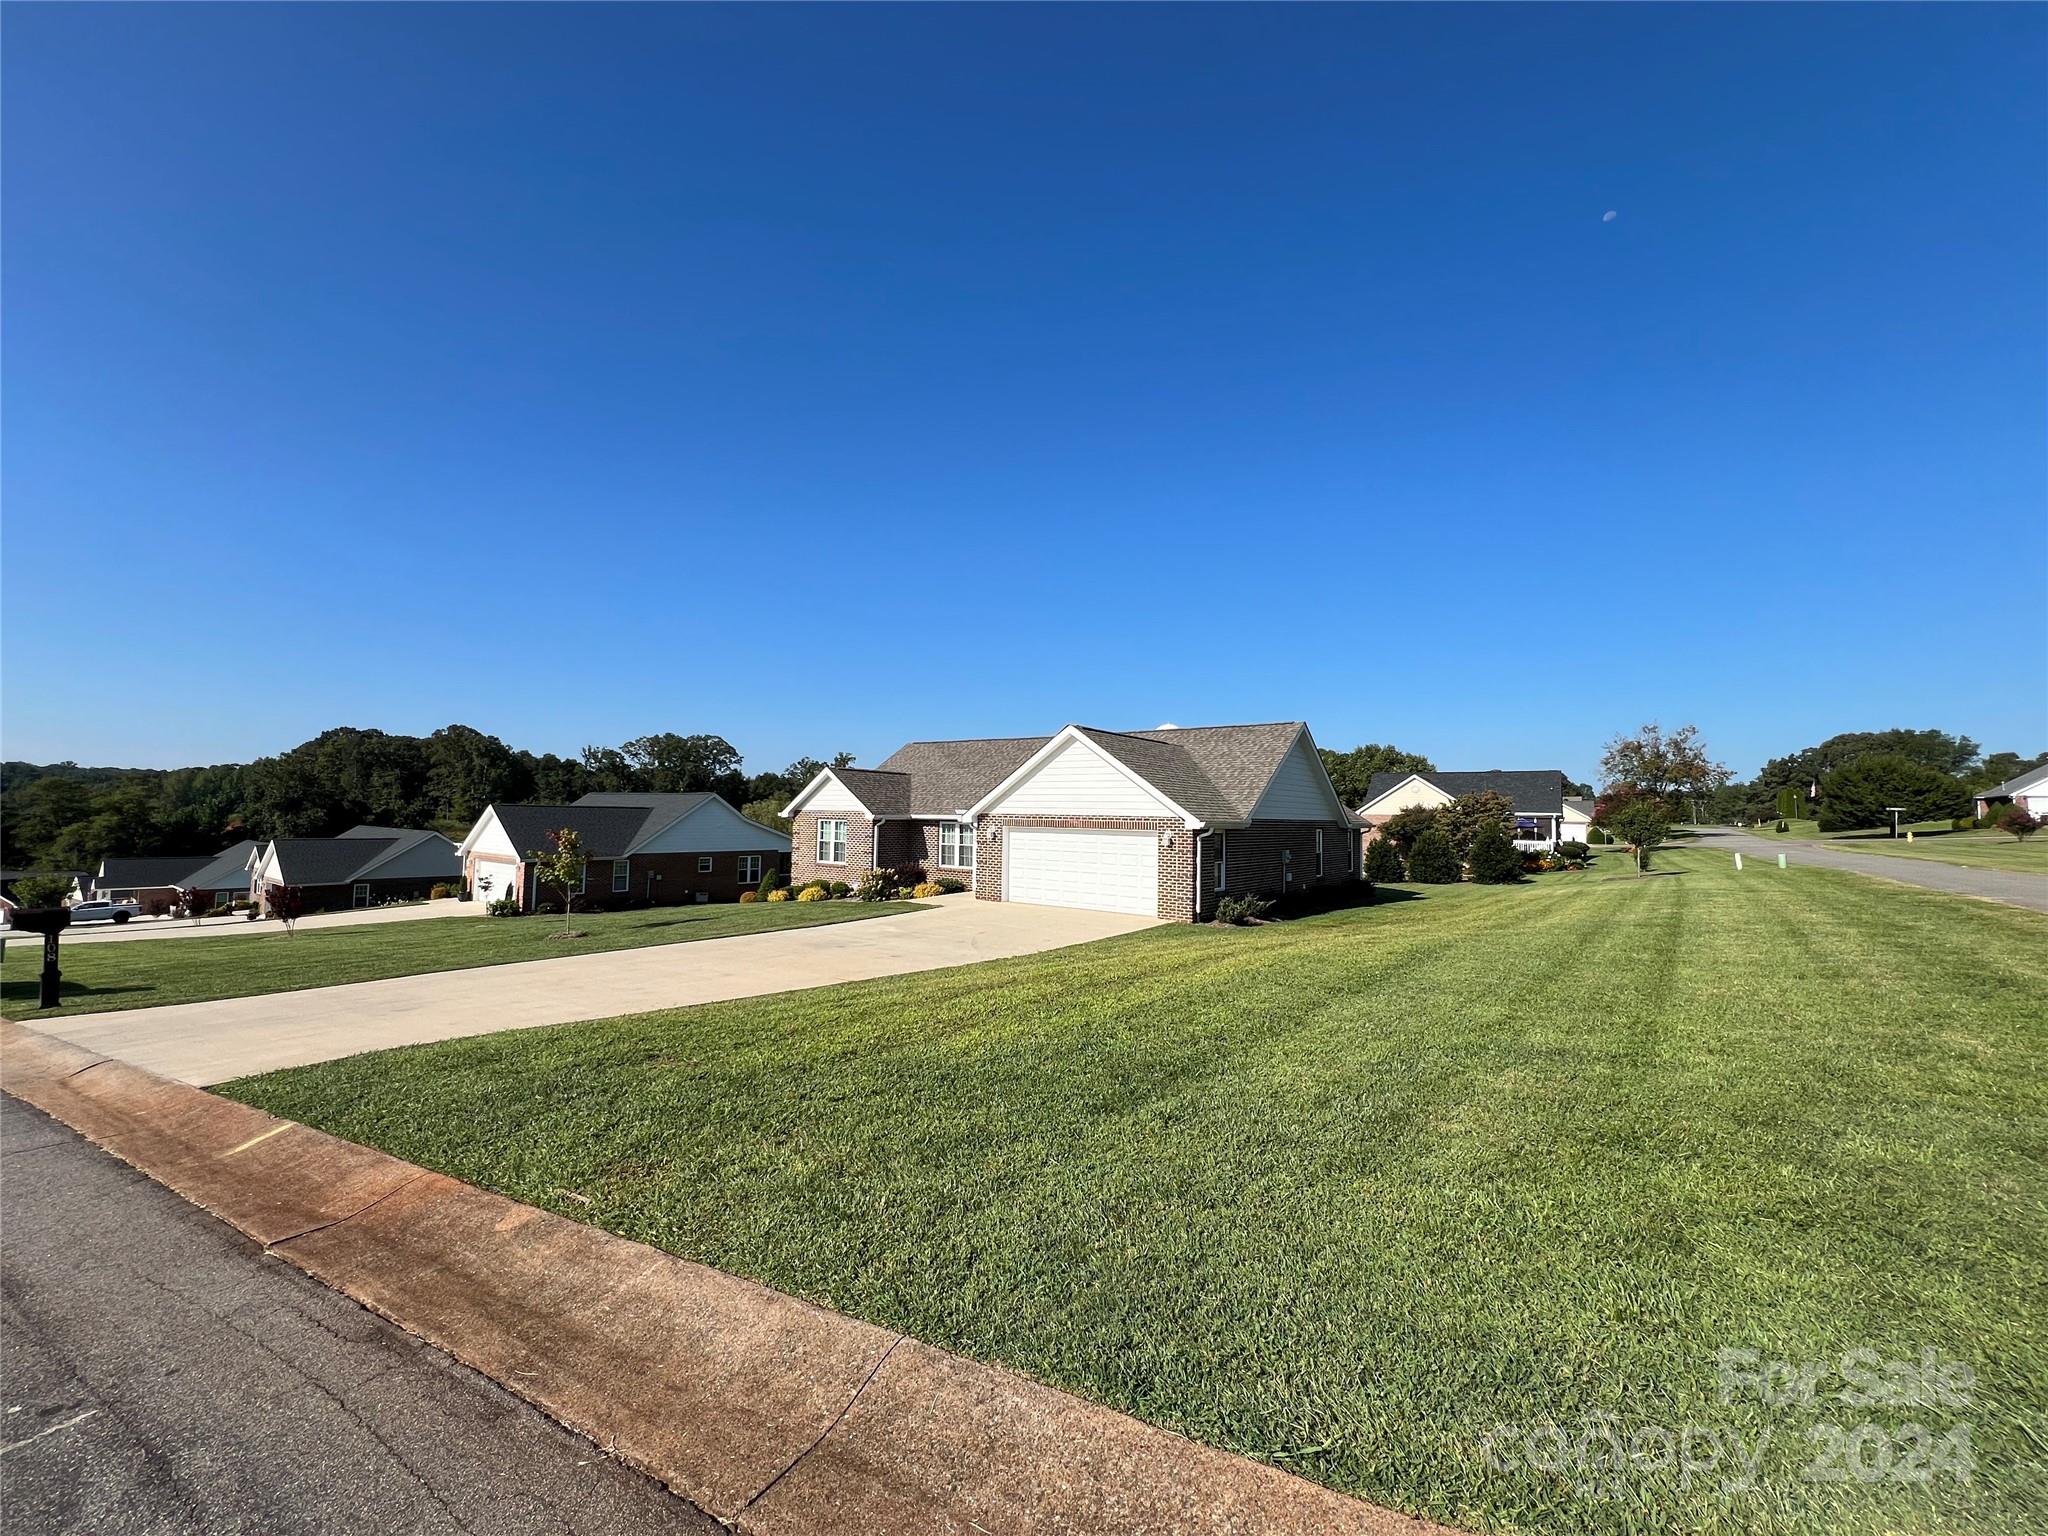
column 163, row 880
column 363, row 867
column 639, row 850
column 1160, row 823
column 1541, row 816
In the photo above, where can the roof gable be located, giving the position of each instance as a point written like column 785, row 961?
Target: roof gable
column 1534, row 791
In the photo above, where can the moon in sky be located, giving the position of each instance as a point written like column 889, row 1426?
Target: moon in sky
column 1609, row 216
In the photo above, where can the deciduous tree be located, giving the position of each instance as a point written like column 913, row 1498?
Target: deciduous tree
column 1351, row 772
column 561, row 866
column 1642, row 827
column 1665, row 764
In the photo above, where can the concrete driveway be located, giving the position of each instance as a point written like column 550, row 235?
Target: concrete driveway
column 212, row 1042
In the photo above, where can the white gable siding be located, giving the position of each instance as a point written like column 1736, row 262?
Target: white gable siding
column 1078, row 780
column 488, row 837
column 831, row 795
column 1299, row 791
column 1405, row 796
column 715, row 827
column 1575, row 824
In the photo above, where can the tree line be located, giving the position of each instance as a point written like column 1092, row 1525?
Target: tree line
column 62, row 816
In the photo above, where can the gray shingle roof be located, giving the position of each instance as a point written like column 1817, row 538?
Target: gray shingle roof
column 1582, row 806
column 607, row 830
column 141, row 874
column 326, row 860
column 884, row 791
column 2031, row 779
column 229, row 871
column 1215, row 772
column 1535, row 791
column 949, row 776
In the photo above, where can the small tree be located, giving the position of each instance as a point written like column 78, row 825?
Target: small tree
column 41, row 890
column 1383, row 861
column 196, row 904
column 1468, row 815
column 563, row 868
column 285, row 903
column 2020, row 822
column 1642, row 828
column 1403, row 828
column 1433, row 862
column 1495, row 860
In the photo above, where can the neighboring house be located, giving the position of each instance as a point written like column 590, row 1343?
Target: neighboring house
column 1578, row 820
column 661, row 850
column 145, row 881
column 226, row 877
column 1537, row 796
column 1159, row 823
column 363, row 867
column 2029, row 789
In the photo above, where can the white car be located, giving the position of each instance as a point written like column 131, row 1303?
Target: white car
column 104, row 911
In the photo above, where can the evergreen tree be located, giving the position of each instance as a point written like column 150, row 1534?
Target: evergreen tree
column 1495, row 859
column 1383, row 862
column 1433, row 862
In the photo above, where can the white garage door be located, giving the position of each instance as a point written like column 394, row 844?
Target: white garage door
column 1103, row 871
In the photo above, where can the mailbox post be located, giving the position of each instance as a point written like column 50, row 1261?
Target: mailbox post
column 49, row 922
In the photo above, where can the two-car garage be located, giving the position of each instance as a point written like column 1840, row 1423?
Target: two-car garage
column 1100, row 870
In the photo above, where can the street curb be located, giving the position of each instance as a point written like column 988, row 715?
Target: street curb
column 778, row 1417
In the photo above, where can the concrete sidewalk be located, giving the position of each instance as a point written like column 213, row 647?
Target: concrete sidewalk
column 145, row 928
column 2009, row 886
column 233, row 1037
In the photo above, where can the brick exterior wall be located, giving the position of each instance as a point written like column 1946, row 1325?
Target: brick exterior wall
column 1256, row 861
column 680, row 883
column 341, row 898
column 803, row 845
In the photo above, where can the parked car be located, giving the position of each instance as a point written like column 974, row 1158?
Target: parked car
column 104, row 911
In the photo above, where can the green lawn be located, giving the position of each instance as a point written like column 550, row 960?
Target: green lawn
column 146, row 973
column 1979, row 848
column 1348, row 1193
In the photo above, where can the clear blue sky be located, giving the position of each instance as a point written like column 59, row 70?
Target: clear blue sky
column 829, row 377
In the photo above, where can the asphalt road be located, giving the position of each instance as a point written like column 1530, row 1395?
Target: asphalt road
column 159, row 1374
column 2007, row 885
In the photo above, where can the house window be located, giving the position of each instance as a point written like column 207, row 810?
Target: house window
column 1319, row 853
column 622, row 875
column 582, row 877
column 1222, row 867
column 831, row 842
column 703, row 863
column 750, row 869
column 361, row 895
column 956, row 844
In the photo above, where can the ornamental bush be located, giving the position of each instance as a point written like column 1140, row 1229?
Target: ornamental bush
column 2020, row 822
column 1433, row 862
column 1383, row 861
column 810, row 893
column 950, row 886
column 875, row 885
column 841, row 888
column 1495, row 859
column 778, row 895
column 924, row 890
column 1238, row 911
column 750, row 895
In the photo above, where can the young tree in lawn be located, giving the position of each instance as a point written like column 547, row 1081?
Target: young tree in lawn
column 1383, row 861
column 1434, row 862
column 1469, row 815
column 1494, row 858
column 2020, row 822
column 1671, row 766
column 562, row 868
column 1642, row 827
column 285, row 903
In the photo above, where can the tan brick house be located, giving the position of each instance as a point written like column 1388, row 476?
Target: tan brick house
column 639, row 850
column 1161, row 823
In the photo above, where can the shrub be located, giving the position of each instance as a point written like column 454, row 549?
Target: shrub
column 440, row 892
column 810, row 893
column 750, row 895
column 771, row 881
column 841, row 888
column 1469, row 815
column 1571, row 849
column 1781, row 827
column 925, row 890
column 41, row 890
column 2020, row 822
column 1495, row 859
column 949, row 886
column 1433, row 862
column 1404, row 828
column 1383, row 861
column 1595, row 835
column 778, row 895
column 817, row 885
column 504, row 906
column 1240, row 910
column 876, row 885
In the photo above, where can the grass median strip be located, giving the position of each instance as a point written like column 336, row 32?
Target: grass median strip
column 1355, row 1193
column 148, row 973
column 1934, row 841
